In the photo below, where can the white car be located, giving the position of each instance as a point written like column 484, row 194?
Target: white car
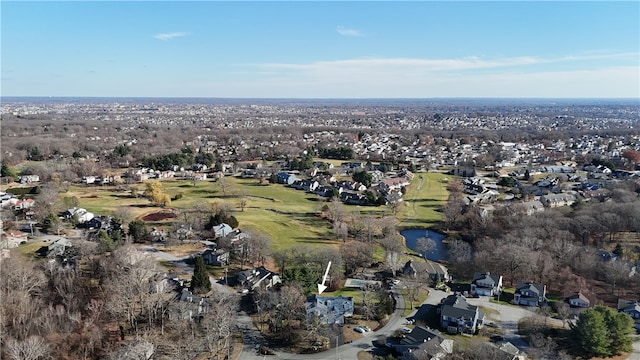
column 366, row 328
column 406, row 330
column 396, row 282
column 359, row 329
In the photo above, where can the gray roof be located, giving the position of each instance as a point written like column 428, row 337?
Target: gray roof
column 421, row 334
column 456, row 306
column 330, row 309
column 531, row 286
column 628, row 305
column 486, row 278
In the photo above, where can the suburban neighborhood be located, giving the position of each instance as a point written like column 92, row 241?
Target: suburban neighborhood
column 298, row 253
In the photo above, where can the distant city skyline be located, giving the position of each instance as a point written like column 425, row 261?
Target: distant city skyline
column 310, row 49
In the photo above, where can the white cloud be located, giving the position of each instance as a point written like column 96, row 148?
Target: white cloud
column 349, row 32
column 169, row 36
column 528, row 76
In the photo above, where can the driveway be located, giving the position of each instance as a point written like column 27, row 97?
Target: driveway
column 508, row 317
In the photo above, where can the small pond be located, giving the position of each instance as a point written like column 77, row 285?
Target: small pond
column 412, row 235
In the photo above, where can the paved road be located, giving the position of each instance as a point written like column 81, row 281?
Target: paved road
column 635, row 354
column 507, row 319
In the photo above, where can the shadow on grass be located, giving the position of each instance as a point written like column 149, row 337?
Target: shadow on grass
column 313, row 240
column 122, row 196
column 434, row 206
column 424, row 201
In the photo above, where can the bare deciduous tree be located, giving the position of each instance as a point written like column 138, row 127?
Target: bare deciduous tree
column 32, row 348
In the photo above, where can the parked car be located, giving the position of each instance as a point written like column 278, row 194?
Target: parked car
column 406, row 330
column 359, row 329
column 366, row 328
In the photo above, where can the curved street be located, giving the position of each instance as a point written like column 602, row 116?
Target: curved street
column 506, row 316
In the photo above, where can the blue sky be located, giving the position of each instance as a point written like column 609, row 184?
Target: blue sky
column 329, row 49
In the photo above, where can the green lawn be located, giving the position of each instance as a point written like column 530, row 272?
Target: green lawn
column 29, row 249
column 424, row 197
column 287, row 215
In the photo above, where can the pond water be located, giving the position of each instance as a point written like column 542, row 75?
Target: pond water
column 411, row 237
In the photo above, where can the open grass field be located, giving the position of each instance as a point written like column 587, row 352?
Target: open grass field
column 424, row 197
column 287, row 215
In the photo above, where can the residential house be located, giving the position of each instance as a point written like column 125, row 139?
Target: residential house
column 458, row 316
column 234, row 241
column 183, row 231
column 330, row 309
column 98, row 222
column 424, row 343
column 578, row 299
column 79, row 214
column 217, row 257
column 7, row 200
column 532, row 207
column 28, row 179
column 530, row 294
column 193, row 306
column 11, row 240
column 557, row 200
column 394, row 183
column 353, row 198
column 464, row 171
column 221, row 230
column 285, row 178
column 24, row 204
column 486, row 284
column 158, row 234
column 195, row 176
column 503, row 351
column 56, row 247
column 352, row 165
column 325, row 191
column 258, row 277
column 309, row 185
column 630, row 307
column 409, row 270
column 306, row 185
column 432, row 269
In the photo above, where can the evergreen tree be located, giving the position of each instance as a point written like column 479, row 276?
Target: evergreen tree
column 590, row 332
column 618, row 251
column 138, row 231
column 363, row 177
column 8, row 171
column 200, row 282
column 620, row 328
column 105, row 243
column 51, row 223
column 116, row 231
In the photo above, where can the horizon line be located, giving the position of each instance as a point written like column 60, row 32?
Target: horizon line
column 319, row 98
